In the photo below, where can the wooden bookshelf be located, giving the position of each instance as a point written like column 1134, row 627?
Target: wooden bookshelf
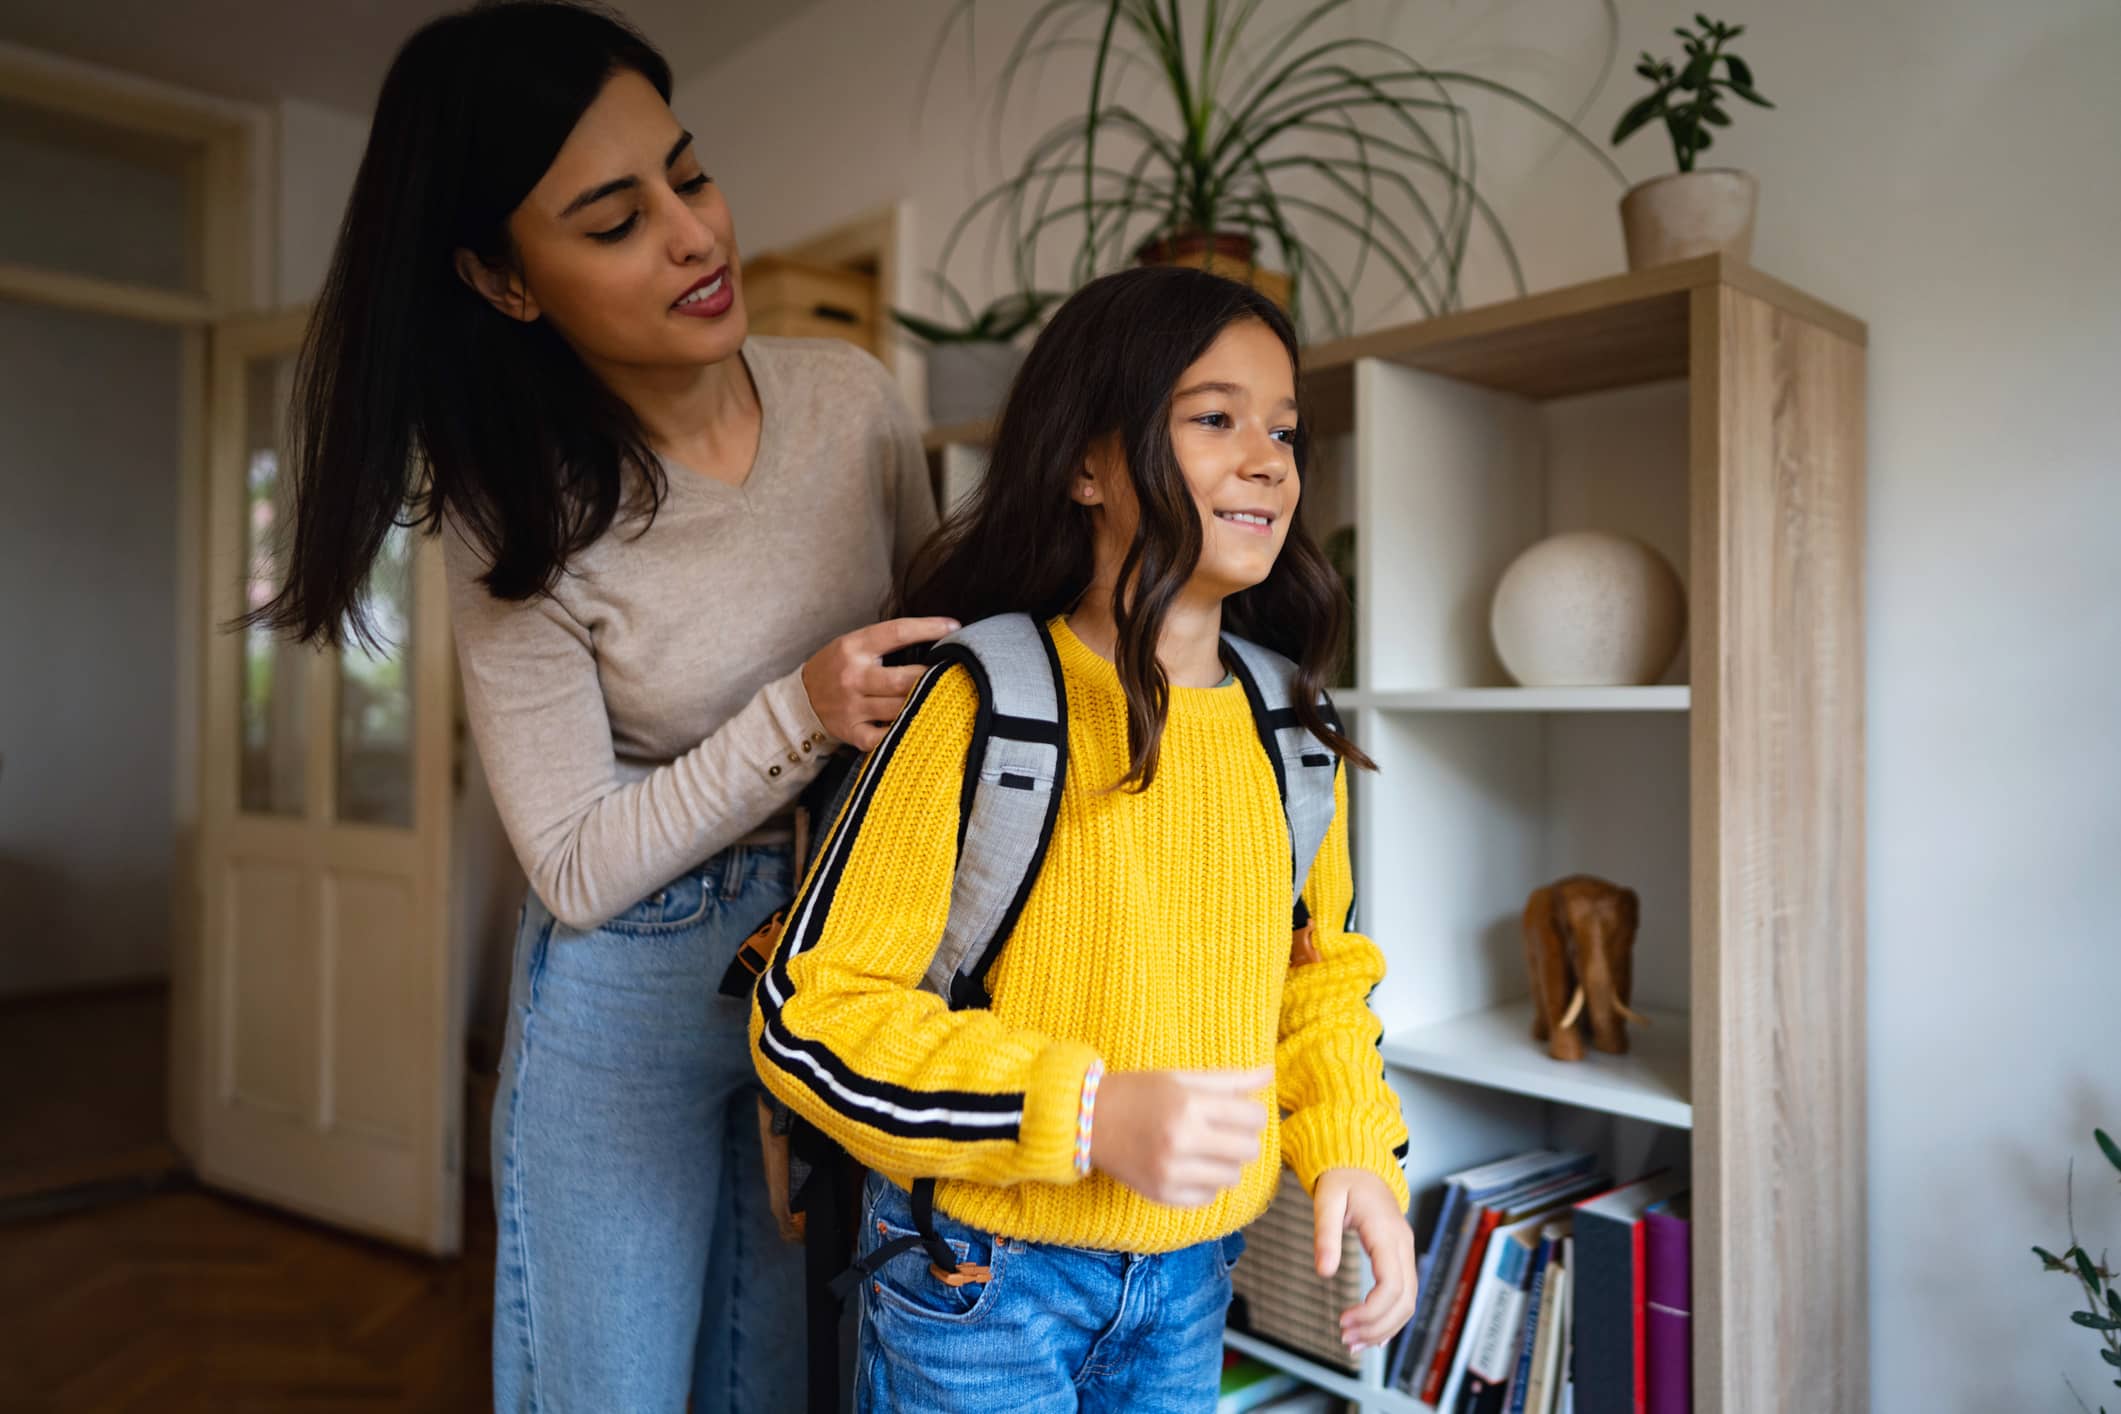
column 1717, row 414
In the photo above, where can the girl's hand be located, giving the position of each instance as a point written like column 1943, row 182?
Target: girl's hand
column 851, row 690
column 1357, row 1199
column 1180, row 1137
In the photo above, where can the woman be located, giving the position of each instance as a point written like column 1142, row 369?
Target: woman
column 533, row 335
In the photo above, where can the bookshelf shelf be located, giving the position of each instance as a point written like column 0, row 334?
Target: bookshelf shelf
column 1494, row 1048
column 1520, row 699
column 1368, row 1396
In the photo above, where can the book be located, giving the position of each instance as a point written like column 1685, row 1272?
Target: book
column 1611, row 1295
column 1539, row 1195
column 1546, row 1350
column 1668, row 1319
column 1247, row 1384
column 1444, row 1263
column 1543, row 1269
column 1565, row 1377
column 1491, row 1346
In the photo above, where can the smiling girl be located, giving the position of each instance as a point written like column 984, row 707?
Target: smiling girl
column 1151, row 1050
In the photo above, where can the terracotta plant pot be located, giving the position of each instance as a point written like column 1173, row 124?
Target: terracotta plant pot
column 1689, row 214
column 1229, row 254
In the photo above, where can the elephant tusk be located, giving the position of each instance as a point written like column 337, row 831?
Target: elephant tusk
column 1631, row 1014
column 1568, row 1018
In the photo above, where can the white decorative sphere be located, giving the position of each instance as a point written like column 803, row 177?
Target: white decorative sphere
column 1588, row 609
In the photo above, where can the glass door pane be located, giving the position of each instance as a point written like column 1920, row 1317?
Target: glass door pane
column 375, row 720
column 274, row 690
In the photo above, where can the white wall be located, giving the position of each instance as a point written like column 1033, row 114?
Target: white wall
column 319, row 152
column 1946, row 170
column 88, row 494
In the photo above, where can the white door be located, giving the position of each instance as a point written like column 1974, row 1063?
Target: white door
column 331, row 1055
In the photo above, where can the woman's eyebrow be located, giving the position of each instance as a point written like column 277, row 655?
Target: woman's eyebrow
column 613, row 188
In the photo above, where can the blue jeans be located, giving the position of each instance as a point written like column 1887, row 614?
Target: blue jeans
column 1056, row 1329
column 638, row 1260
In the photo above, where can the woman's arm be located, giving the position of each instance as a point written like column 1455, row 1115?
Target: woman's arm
column 841, row 1031
column 590, row 845
column 1342, row 1114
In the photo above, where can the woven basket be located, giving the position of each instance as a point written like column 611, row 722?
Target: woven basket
column 1277, row 1279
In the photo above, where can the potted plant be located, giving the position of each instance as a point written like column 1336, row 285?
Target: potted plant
column 1239, row 137
column 971, row 364
column 1691, row 212
column 2095, row 1280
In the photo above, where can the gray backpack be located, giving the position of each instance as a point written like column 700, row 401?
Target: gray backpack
column 1014, row 770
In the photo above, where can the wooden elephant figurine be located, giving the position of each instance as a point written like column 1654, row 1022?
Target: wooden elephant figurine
column 1579, row 937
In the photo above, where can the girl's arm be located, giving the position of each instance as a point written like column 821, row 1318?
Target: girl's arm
column 590, row 845
column 1342, row 1114
column 840, row 1030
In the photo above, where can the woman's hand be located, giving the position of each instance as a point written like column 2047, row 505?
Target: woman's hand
column 1179, row 1137
column 851, row 690
column 1357, row 1199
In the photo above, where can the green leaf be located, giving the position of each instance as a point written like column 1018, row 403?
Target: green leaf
column 1716, row 116
column 2097, row 1323
column 1746, row 92
column 2108, row 1147
column 2085, row 1267
column 2046, row 1256
column 1636, row 116
column 1697, row 72
column 2111, row 1357
column 1738, row 70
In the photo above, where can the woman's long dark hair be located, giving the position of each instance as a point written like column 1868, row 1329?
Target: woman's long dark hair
column 1106, row 367
column 414, row 397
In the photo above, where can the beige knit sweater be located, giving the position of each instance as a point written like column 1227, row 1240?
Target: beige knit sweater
column 650, row 711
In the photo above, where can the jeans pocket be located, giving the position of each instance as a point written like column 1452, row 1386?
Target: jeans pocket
column 678, row 905
column 1228, row 1248
column 908, row 1283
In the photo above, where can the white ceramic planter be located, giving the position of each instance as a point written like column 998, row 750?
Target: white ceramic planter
column 967, row 382
column 1689, row 214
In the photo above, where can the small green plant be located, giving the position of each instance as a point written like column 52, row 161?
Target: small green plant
column 998, row 323
column 1690, row 99
column 2102, row 1302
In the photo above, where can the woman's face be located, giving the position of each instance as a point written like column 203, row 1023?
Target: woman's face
column 625, row 245
column 1233, row 427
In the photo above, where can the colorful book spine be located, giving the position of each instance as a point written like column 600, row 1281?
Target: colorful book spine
column 1669, row 1319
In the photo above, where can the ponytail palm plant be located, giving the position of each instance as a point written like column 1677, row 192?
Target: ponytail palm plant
column 1295, row 144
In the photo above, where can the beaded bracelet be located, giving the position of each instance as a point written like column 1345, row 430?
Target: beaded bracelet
column 1084, row 1114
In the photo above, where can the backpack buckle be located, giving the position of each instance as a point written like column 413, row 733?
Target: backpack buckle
column 967, row 1274
column 753, row 956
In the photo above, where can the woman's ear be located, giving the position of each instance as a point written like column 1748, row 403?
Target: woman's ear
column 499, row 288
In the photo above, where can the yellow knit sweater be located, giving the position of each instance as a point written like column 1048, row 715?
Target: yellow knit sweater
column 1156, row 937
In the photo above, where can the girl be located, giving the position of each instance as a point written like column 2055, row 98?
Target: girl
column 1153, row 1051
column 652, row 523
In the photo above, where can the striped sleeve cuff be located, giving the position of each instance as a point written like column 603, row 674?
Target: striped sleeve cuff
column 1052, row 1102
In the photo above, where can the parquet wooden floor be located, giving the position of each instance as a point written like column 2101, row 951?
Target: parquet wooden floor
column 189, row 1303
column 185, row 1302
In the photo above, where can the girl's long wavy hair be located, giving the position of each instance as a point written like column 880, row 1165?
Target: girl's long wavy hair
column 1106, row 368
column 414, row 398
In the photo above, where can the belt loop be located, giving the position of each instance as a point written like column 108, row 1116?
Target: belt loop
column 732, row 870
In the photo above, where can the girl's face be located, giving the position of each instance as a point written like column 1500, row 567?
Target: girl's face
column 1233, row 427
column 624, row 244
